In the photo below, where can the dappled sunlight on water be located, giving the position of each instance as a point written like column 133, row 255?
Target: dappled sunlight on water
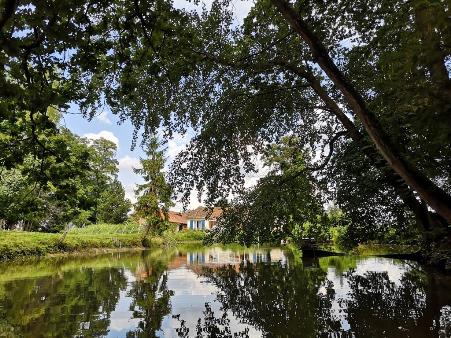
column 197, row 291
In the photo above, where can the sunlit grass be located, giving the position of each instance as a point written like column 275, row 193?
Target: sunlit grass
column 105, row 228
column 374, row 249
column 184, row 236
column 20, row 243
column 96, row 236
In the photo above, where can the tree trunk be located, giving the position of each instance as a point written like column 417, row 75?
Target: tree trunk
column 424, row 218
column 434, row 196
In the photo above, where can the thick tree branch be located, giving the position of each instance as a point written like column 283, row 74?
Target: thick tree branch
column 434, row 196
column 396, row 181
column 331, row 150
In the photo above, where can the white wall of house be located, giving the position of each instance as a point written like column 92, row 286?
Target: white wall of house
column 196, row 223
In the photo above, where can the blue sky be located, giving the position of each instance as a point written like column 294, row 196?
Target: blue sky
column 107, row 125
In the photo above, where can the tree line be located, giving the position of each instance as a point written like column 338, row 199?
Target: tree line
column 76, row 183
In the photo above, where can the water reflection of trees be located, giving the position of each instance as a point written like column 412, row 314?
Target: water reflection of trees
column 151, row 298
column 78, row 303
column 210, row 326
column 287, row 301
column 277, row 300
column 379, row 307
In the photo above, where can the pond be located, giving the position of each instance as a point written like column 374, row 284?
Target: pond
column 219, row 292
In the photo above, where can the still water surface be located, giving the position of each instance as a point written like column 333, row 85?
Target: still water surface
column 214, row 292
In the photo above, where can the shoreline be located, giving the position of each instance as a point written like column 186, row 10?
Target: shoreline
column 18, row 245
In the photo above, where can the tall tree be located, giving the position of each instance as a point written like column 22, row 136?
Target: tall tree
column 279, row 205
column 241, row 86
column 112, row 206
column 104, row 169
column 436, row 197
column 154, row 195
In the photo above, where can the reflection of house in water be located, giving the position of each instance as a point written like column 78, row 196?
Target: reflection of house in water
column 213, row 257
column 223, row 257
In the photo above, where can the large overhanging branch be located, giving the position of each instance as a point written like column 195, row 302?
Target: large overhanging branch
column 392, row 177
column 434, row 196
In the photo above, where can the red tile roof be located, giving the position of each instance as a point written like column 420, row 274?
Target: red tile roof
column 203, row 212
column 176, row 217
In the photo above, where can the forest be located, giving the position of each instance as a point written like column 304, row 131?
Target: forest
column 346, row 103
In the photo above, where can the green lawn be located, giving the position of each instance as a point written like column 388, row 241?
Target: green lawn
column 20, row 243
column 185, row 236
column 97, row 236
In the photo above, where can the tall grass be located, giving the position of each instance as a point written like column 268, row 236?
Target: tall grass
column 108, row 229
column 21, row 243
column 184, row 236
column 96, row 236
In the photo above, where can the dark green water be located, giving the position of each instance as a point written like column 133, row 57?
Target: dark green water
column 222, row 293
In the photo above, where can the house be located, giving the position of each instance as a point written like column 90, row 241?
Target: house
column 202, row 218
column 178, row 219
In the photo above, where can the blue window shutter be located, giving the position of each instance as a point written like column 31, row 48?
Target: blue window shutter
column 191, row 224
column 203, row 224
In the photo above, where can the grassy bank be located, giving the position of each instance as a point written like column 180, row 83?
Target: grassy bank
column 15, row 244
column 375, row 249
column 100, row 236
column 185, row 236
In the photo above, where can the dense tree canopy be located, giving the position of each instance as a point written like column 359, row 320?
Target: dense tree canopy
column 284, row 203
column 70, row 185
column 351, row 79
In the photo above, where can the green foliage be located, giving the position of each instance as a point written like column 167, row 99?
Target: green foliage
column 113, row 207
column 284, row 203
column 238, row 88
column 66, row 186
column 154, row 196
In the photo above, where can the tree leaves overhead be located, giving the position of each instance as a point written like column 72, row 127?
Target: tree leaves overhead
column 236, row 87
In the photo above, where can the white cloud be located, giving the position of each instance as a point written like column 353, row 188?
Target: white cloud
column 128, row 178
column 108, row 135
column 240, row 8
column 130, row 192
column 128, row 163
column 193, row 202
column 251, row 179
column 103, row 117
column 176, row 144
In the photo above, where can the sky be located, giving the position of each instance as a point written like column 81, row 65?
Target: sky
column 106, row 125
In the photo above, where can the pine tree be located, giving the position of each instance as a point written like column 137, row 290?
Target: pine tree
column 154, row 196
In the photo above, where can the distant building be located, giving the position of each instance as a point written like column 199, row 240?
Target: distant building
column 178, row 219
column 202, row 218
